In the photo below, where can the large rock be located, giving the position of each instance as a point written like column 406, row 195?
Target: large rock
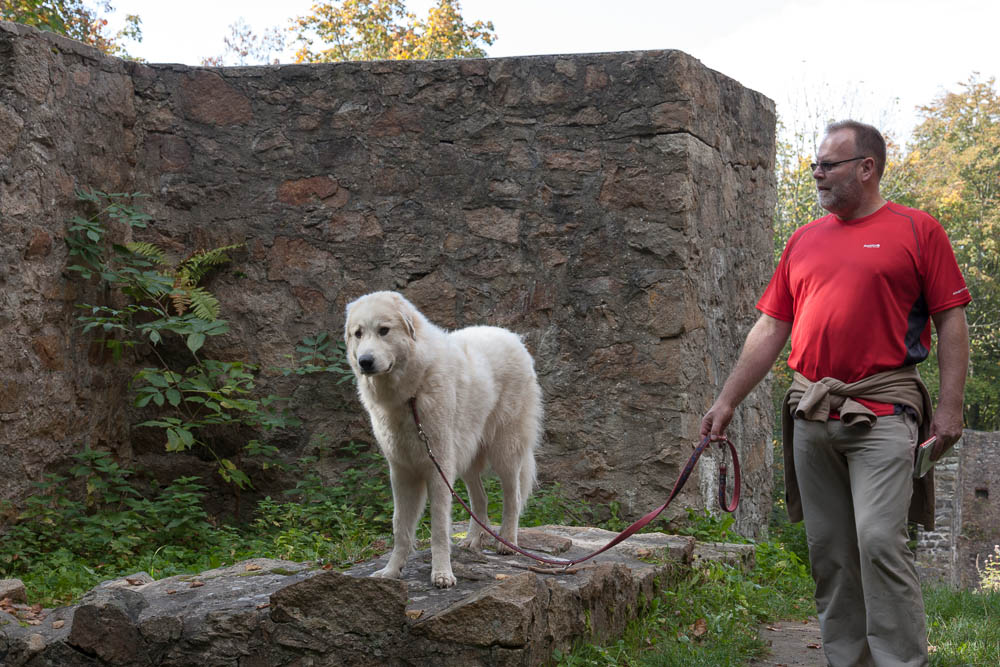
column 615, row 209
column 504, row 611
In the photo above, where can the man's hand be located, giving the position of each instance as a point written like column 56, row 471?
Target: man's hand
column 716, row 420
column 947, row 426
column 761, row 348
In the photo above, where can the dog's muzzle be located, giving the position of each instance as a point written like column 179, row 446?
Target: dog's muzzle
column 366, row 362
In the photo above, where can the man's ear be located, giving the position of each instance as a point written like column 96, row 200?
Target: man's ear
column 868, row 169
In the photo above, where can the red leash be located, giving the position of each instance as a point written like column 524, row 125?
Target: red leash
column 631, row 530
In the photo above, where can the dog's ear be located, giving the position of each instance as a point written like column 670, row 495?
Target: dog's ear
column 407, row 313
column 409, row 321
column 347, row 321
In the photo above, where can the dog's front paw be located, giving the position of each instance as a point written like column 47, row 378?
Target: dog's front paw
column 387, row 572
column 443, row 578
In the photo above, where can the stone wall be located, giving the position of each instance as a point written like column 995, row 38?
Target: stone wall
column 67, row 119
column 968, row 512
column 612, row 208
column 936, row 549
column 979, row 497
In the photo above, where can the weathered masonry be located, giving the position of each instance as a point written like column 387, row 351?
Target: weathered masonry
column 615, row 209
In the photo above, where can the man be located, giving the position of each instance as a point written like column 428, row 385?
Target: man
column 857, row 290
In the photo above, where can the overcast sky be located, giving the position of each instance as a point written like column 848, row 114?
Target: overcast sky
column 873, row 59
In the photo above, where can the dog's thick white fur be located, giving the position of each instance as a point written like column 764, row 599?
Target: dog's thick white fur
column 479, row 404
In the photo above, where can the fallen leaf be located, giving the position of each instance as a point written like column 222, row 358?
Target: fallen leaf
column 699, row 628
column 931, row 648
column 813, row 645
column 775, row 628
column 414, row 613
column 500, row 576
column 328, row 566
column 171, row 591
column 134, row 581
column 33, row 621
column 264, row 605
column 252, row 568
column 197, row 584
column 58, row 624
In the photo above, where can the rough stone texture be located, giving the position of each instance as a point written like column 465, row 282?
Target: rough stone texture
column 978, row 494
column 12, row 590
column 968, row 513
column 936, row 549
column 612, row 208
column 266, row 612
column 67, row 120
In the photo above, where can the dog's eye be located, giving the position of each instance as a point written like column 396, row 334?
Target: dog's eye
column 383, row 331
column 357, row 333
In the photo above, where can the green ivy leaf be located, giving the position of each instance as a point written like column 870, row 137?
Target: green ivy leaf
column 195, row 341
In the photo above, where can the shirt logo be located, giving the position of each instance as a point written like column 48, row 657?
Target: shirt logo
column 873, row 245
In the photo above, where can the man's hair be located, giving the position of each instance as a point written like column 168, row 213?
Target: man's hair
column 867, row 140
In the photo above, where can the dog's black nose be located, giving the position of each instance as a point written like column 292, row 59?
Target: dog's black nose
column 366, row 362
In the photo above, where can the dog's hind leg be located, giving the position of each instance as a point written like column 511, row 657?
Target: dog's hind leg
column 517, row 478
column 480, row 506
column 409, row 495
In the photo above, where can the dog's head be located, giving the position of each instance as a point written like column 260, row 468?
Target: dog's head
column 380, row 331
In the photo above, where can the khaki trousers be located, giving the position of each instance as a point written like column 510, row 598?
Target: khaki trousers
column 856, row 485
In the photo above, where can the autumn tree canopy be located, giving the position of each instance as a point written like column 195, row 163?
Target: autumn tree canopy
column 75, row 19
column 385, row 30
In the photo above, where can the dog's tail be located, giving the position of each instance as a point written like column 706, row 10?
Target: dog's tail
column 527, row 478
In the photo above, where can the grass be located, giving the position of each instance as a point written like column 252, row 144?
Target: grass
column 710, row 617
column 962, row 627
column 100, row 522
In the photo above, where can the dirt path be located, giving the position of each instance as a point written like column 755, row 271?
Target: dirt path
column 792, row 643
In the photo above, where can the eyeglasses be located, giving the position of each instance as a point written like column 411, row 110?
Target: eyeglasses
column 827, row 166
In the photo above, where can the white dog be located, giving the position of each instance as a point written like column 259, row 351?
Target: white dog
column 479, row 403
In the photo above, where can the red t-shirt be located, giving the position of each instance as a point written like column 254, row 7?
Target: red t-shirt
column 860, row 293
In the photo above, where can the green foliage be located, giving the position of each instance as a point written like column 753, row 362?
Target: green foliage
column 385, row 30
column 80, row 529
column 962, row 627
column 706, row 527
column 75, row 19
column 319, row 354
column 710, row 617
column 989, row 575
column 954, row 171
column 159, row 303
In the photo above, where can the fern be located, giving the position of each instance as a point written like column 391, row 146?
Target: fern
column 147, row 250
column 180, row 299
column 203, row 304
column 197, row 265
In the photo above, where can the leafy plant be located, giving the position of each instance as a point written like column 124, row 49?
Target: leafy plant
column 319, row 354
column 157, row 299
column 989, row 575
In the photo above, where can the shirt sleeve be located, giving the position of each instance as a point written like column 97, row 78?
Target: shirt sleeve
column 777, row 298
column 944, row 285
